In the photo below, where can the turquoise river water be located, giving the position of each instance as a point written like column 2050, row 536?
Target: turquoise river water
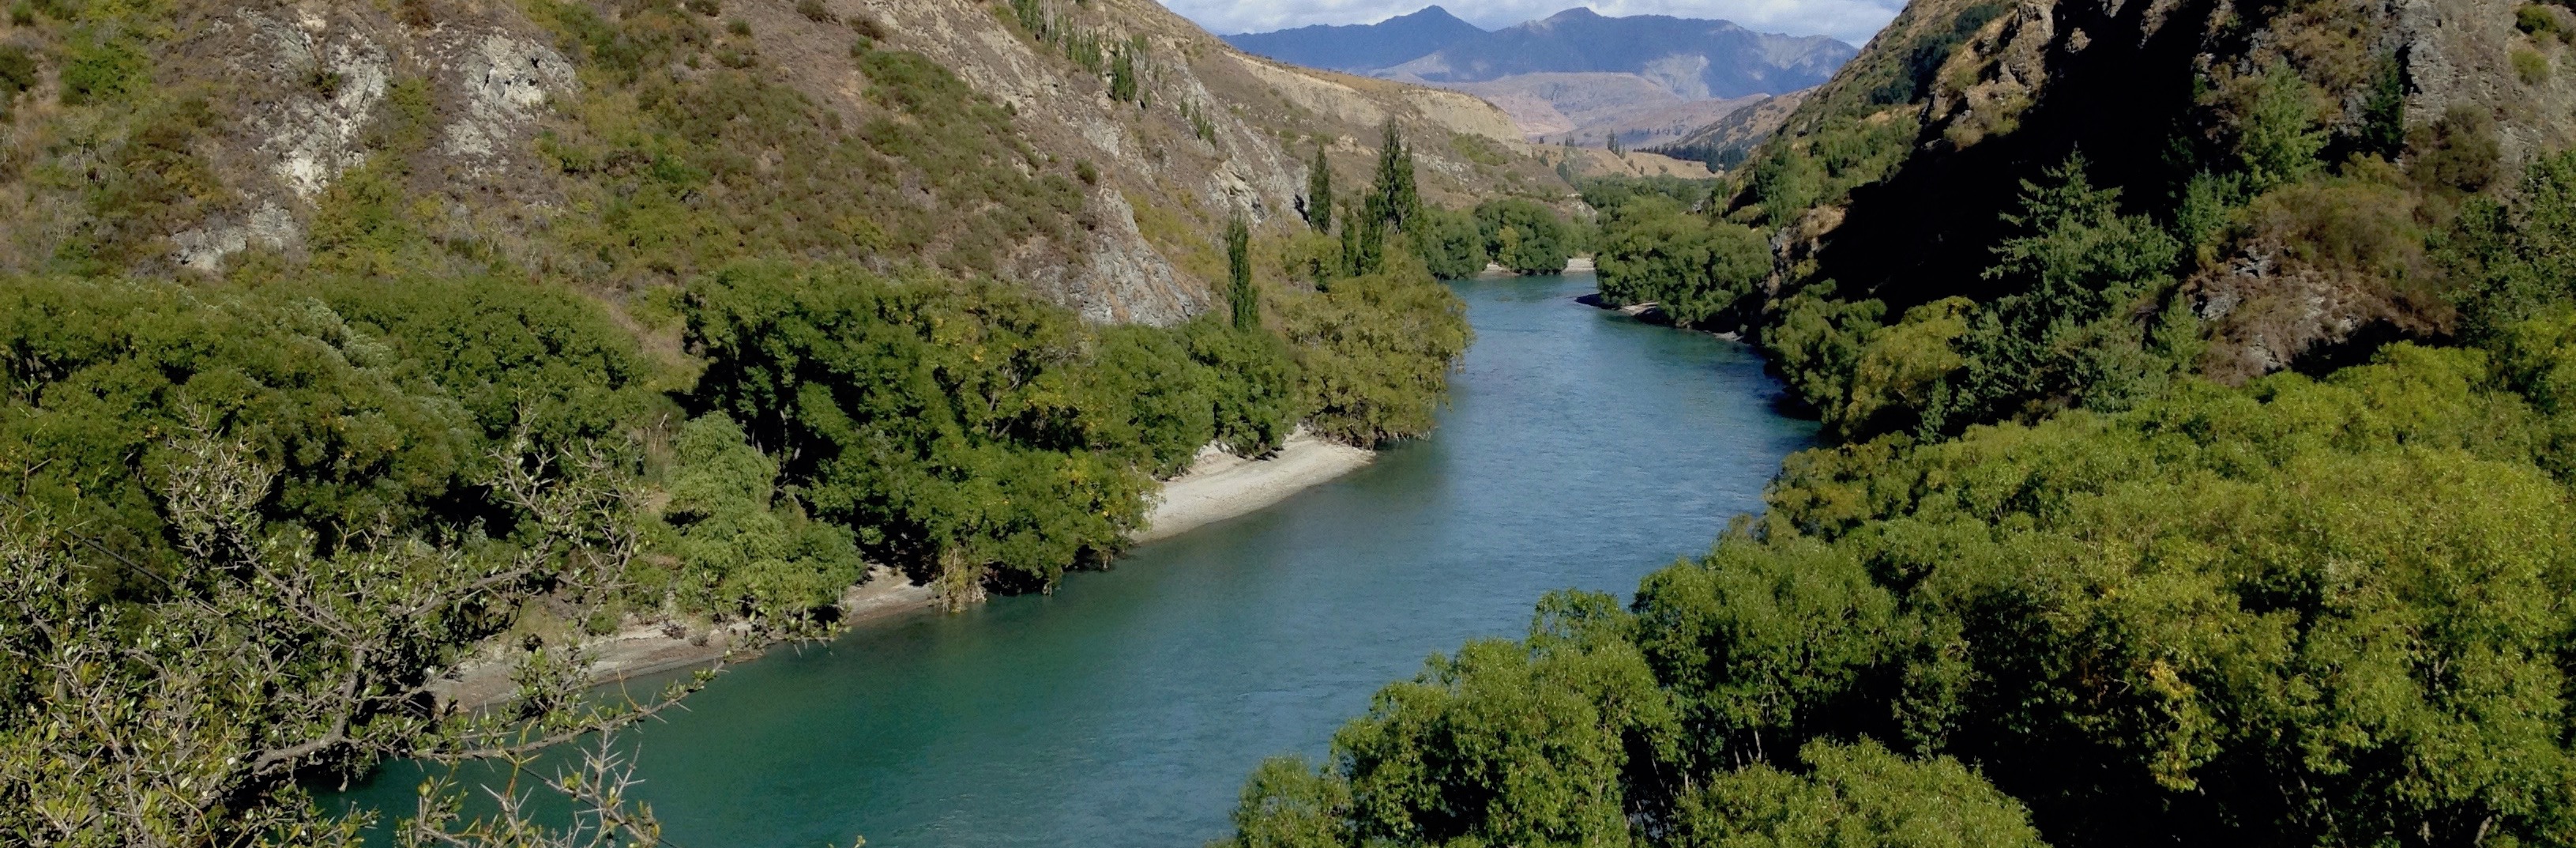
column 1583, row 449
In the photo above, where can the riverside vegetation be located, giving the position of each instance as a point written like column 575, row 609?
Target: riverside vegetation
column 253, row 518
column 2078, row 570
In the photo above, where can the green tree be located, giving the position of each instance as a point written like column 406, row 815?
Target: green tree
column 1449, row 244
column 1694, row 268
column 1288, row 803
column 2516, row 259
column 1525, row 236
column 2079, row 269
column 1363, row 243
column 1393, row 199
column 1374, row 351
column 948, row 425
column 1252, row 378
column 1125, row 71
column 2277, row 138
column 1854, row 796
column 739, row 552
column 1318, row 202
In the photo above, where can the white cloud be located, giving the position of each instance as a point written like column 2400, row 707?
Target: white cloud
column 1849, row 20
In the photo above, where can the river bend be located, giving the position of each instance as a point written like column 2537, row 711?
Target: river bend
column 1584, row 449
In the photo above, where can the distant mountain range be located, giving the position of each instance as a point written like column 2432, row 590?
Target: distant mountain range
column 1361, row 48
column 1691, row 58
column 1646, row 79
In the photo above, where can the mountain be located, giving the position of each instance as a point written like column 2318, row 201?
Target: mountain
column 1693, row 59
column 1646, row 80
column 1361, row 47
column 1596, row 106
column 1724, row 142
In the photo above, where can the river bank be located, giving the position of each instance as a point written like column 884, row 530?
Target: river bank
column 1222, row 485
column 1217, row 487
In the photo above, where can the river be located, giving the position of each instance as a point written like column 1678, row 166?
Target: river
column 1583, row 449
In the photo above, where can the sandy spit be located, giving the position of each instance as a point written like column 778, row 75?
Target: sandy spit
column 1223, row 486
column 1219, row 486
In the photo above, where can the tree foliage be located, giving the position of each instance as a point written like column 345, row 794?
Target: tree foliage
column 1692, row 267
column 962, row 430
column 1525, row 236
column 738, row 550
column 1318, row 202
column 2081, row 272
column 1374, row 351
column 2308, row 611
column 1449, row 244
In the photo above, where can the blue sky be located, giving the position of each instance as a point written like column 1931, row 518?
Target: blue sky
column 1849, row 20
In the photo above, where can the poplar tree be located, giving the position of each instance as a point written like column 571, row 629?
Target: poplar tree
column 1319, row 192
column 1394, row 199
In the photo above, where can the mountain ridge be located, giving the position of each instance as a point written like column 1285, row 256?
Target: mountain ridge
column 1361, row 47
column 1694, row 59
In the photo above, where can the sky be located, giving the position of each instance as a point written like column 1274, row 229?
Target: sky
column 1849, row 20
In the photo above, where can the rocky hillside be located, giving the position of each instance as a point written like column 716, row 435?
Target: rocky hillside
column 1722, row 144
column 2309, row 160
column 1089, row 150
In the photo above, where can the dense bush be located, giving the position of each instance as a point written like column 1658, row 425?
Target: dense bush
column 103, row 370
column 1693, row 267
column 952, row 425
column 2516, row 261
column 739, row 551
column 964, row 428
column 1450, row 245
column 1374, row 351
column 1524, row 236
column 1609, row 195
column 2303, row 612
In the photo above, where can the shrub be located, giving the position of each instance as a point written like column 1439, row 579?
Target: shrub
column 2277, row 138
column 17, row 71
column 2535, row 19
column 1374, row 351
column 2531, row 66
column 1696, row 269
column 1525, row 236
column 1449, row 244
column 103, row 69
column 738, row 552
